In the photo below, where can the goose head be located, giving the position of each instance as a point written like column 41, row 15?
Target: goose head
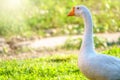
column 78, row 10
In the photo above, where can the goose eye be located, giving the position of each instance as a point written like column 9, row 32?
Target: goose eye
column 78, row 8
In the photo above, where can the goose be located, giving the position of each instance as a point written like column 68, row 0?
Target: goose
column 93, row 65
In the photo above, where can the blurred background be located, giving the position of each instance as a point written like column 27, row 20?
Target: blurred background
column 46, row 18
column 24, row 21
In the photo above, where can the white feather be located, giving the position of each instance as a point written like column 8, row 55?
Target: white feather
column 93, row 65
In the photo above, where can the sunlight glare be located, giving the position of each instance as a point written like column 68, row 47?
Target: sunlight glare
column 13, row 4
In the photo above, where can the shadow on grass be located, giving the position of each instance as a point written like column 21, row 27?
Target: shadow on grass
column 76, row 71
column 60, row 60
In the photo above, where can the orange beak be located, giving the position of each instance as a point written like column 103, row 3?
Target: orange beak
column 72, row 12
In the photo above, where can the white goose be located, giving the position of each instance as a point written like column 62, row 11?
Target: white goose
column 94, row 66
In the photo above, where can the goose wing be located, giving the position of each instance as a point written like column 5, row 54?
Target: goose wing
column 110, row 66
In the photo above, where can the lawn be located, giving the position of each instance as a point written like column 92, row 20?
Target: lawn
column 56, row 67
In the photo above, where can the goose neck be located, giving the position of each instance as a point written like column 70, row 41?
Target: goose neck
column 88, row 43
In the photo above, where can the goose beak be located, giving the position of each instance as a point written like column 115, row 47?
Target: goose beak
column 72, row 12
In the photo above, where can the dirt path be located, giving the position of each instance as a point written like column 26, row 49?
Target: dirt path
column 36, row 54
column 51, row 43
column 56, row 41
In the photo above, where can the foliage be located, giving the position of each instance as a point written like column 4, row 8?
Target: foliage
column 49, row 17
column 72, row 43
column 57, row 67
column 113, row 51
column 76, row 43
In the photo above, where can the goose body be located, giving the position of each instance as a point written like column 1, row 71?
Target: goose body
column 93, row 65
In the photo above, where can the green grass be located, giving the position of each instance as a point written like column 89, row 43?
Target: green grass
column 57, row 67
